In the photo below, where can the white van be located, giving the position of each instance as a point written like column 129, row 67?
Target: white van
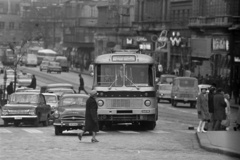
column 31, row 60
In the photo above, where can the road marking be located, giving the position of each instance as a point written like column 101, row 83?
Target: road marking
column 5, row 131
column 32, row 131
column 158, row 131
column 128, row 132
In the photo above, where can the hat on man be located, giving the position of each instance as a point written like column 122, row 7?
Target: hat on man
column 93, row 92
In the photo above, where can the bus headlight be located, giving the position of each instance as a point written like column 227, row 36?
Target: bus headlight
column 100, row 103
column 147, row 103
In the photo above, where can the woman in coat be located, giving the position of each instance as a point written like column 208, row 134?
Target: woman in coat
column 202, row 107
column 219, row 109
column 91, row 117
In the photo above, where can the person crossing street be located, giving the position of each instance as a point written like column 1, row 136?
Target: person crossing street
column 81, row 86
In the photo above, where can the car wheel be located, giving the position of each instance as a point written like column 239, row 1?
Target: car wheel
column 46, row 123
column 58, row 130
column 193, row 105
column 158, row 100
column 41, row 70
column 36, row 122
column 5, row 123
column 151, row 125
column 170, row 101
column 60, row 72
column 16, row 124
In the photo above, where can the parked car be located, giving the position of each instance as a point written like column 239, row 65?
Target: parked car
column 52, row 100
column 24, row 80
column 54, row 67
column 44, row 65
column 63, row 63
column 26, row 107
column 164, row 92
column 166, row 79
column 49, row 87
column 70, row 114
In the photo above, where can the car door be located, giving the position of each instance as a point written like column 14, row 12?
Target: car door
column 47, row 108
column 43, row 107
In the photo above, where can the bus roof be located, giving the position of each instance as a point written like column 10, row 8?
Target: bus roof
column 123, row 57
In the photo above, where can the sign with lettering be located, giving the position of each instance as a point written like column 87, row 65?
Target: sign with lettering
column 123, row 58
column 220, row 44
column 237, row 59
column 145, row 46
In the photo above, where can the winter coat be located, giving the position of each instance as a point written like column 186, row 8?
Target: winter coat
column 33, row 83
column 10, row 89
column 219, row 107
column 202, row 107
column 210, row 102
column 91, row 117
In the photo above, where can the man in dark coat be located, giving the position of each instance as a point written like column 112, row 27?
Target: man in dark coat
column 219, row 109
column 10, row 88
column 81, row 85
column 91, row 117
column 33, row 82
column 211, row 94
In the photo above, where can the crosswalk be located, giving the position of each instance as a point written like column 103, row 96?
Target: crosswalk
column 51, row 131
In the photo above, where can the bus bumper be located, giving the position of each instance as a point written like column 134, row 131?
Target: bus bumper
column 128, row 115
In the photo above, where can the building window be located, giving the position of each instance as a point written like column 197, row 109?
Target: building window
column 2, row 25
column 11, row 25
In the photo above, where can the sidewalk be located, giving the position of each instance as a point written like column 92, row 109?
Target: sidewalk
column 224, row 142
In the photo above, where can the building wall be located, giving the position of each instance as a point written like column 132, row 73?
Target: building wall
column 10, row 21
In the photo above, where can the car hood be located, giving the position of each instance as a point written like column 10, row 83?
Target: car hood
column 72, row 110
column 19, row 106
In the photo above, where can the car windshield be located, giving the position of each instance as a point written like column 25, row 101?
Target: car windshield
column 45, row 62
column 81, row 101
column 50, row 98
column 54, row 63
column 10, row 72
column 186, row 82
column 166, row 87
column 24, row 76
column 23, row 98
column 166, row 80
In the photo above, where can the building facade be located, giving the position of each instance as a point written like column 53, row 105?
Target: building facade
column 10, row 21
column 215, row 38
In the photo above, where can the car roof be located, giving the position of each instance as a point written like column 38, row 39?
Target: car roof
column 168, row 75
column 165, row 84
column 23, row 92
column 49, row 94
column 192, row 78
column 59, row 89
column 75, row 95
column 204, row 85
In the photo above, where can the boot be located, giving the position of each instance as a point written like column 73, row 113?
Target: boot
column 202, row 128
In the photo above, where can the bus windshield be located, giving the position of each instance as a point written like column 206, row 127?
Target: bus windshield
column 116, row 76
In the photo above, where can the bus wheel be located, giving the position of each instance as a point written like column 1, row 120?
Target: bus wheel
column 174, row 103
column 151, row 125
column 100, row 124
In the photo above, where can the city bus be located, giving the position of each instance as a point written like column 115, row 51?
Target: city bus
column 125, row 83
column 46, row 54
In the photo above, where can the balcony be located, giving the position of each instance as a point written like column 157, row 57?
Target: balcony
column 217, row 21
column 151, row 26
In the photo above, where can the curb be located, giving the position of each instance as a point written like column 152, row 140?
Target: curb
column 85, row 73
column 206, row 144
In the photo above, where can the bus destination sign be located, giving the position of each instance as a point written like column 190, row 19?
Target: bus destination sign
column 123, row 58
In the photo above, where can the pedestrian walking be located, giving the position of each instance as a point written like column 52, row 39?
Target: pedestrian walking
column 33, row 84
column 10, row 88
column 91, row 117
column 219, row 109
column 211, row 94
column 202, row 108
column 81, row 86
column 226, row 123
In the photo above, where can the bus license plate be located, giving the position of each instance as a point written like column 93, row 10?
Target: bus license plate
column 17, row 117
column 73, row 124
